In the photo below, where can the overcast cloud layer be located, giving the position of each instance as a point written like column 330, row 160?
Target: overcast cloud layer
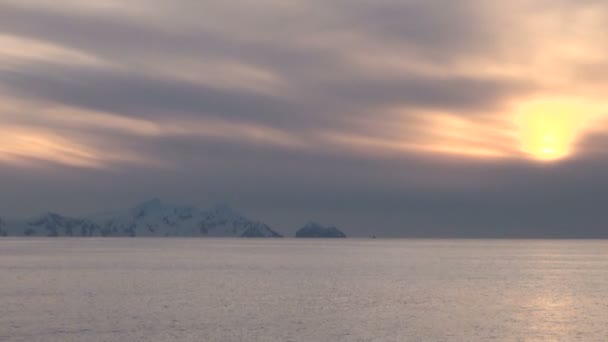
column 386, row 117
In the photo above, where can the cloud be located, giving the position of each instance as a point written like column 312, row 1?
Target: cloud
column 351, row 106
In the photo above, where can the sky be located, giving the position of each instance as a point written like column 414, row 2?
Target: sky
column 387, row 117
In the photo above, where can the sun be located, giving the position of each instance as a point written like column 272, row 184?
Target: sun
column 548, row 136
column 549, row 129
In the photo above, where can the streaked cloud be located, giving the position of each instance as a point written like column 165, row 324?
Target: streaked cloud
column 16, row 49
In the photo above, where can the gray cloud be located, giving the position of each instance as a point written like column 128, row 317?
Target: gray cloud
column 139, row 95
column 439, row 29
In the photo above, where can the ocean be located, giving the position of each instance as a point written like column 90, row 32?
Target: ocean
column 147, row 289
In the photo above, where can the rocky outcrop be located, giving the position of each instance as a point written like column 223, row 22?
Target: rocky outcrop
column 315, row 230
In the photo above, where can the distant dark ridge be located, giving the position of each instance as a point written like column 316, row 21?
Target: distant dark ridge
column 315, row 230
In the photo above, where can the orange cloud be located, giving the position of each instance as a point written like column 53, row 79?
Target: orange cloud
column 20, row 145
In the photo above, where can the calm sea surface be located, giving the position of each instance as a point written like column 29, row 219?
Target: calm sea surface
column 311, row 290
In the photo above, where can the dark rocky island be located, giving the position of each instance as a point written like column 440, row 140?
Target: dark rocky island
column 315, row 230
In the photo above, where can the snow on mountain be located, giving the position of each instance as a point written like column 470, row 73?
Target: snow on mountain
column 315, row 230
column 150, row 218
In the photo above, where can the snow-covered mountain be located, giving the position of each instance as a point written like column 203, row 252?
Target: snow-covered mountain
column 151, row 218
column 315, row 230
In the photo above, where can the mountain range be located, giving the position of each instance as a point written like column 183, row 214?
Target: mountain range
column 150, row 218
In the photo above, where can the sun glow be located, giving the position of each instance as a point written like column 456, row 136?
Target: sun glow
column 549, row 129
